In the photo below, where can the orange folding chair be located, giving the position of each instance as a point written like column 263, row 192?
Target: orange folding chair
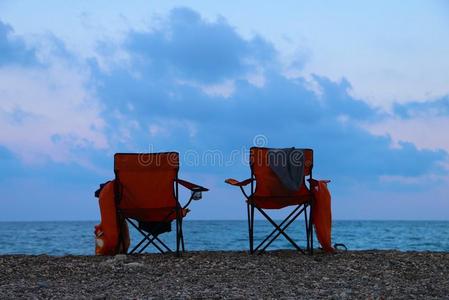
column 267, row 191
column 146, row 194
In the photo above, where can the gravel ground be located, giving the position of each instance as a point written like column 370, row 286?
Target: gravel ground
column 280, row 274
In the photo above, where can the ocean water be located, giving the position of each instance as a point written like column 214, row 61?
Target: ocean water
column 77, row 238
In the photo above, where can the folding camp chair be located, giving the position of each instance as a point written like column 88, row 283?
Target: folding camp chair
column 268, row 192
column 146, row 194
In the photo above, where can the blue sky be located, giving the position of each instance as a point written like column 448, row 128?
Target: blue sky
column 365, row 85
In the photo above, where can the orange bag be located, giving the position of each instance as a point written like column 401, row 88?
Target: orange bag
column 322, row 214
column 107, row 232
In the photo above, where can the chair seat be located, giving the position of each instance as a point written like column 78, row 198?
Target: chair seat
column 276, row 202
column 152, row 214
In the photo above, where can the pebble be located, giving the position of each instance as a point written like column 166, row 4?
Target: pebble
column 134, row 264
column 120, row 257
column 42, row 284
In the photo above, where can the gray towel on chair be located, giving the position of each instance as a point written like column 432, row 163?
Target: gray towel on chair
column 288, row 165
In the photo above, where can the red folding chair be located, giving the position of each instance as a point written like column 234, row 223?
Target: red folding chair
column 146, row 194
column 267, row 192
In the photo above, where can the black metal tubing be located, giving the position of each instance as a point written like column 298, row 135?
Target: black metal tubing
column 275, row 230
column 249, row 225
column 311, row 224
column 150, row 240
column 250, row 214
column 182, row 236
column 279, row 229
column 252, row 229
column 307, row 227
column 148, row 237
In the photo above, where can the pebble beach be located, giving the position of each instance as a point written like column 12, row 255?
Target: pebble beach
column 232, row 275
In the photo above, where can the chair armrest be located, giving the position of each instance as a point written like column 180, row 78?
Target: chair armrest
column 234, row 182
column 191, row 186
column 316, row 180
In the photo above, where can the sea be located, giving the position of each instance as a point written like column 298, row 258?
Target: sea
column 77, row 237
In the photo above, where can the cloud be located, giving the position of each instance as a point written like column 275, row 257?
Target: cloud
column 433, row 108
column 422, row 123
column 191, row 48
column 13, row 49
column 47, row 111
column 423, row 132
column 49, row 118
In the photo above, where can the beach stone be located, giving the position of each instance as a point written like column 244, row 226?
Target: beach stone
column 134, row 264
column 42, row 284
column 120, row 257
column 108, row 262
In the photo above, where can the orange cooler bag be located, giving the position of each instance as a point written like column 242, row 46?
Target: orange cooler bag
column 107, row 232
column 322, row 214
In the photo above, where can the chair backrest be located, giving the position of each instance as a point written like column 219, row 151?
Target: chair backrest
column 267, row 182
column 146, row 180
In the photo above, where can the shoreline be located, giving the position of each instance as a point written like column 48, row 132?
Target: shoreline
column 230, row 274
column 316, row 252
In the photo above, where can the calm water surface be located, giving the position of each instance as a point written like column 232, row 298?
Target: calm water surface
column 61, row 238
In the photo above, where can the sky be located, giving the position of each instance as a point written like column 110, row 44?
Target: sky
column 365, row 84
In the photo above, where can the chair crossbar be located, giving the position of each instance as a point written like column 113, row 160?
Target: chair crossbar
column 280, row 229
column 275, row 230
column 150, row 238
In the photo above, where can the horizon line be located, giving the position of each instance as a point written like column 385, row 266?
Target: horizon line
column 205, row 220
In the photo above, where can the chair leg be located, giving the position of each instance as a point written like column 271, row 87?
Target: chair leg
column 311, row 227
column 182, row 243
column 249, row 226
column 177, row 236
column 251, row 240
column 307, row 227
column 182, row 236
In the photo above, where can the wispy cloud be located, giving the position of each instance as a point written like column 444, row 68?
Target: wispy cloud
column 47, row 111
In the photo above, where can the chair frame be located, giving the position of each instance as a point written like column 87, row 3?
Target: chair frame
column 279, row 229
column 148, row 237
